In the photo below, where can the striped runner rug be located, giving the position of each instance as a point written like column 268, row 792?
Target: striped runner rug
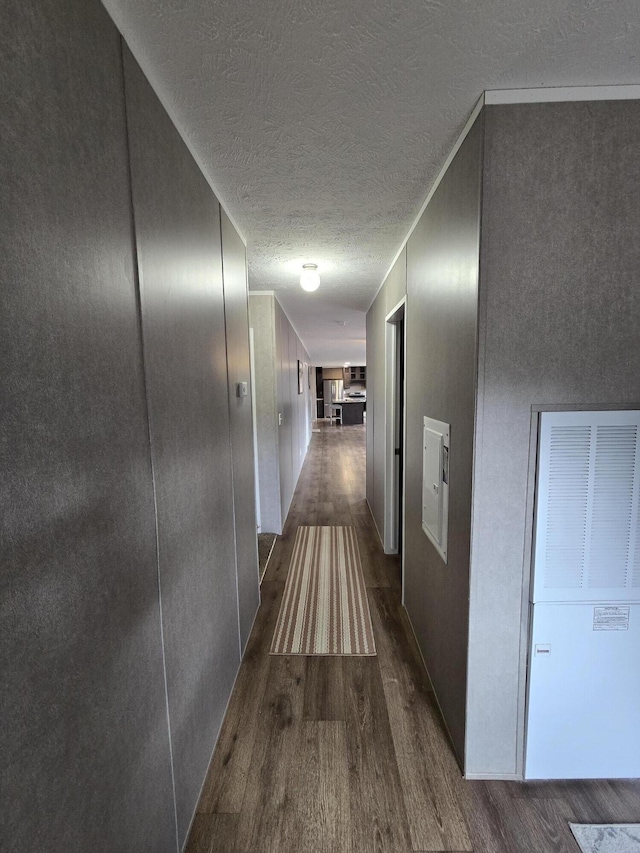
column 324, row 609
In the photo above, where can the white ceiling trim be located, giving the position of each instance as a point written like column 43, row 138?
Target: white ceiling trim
column 323, row 126
column 559, row 94
column 550, row 94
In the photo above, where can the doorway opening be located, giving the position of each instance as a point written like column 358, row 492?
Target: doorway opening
column 394, row 428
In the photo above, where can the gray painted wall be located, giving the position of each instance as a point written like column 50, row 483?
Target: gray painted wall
column 94, row 531
column 241, row 422
column 284, row 397
column 439, row 268
column 301, row 412
column 281, row 449
column 555, row 315
column 177, row 224
column 292, row 439
column 391, row 292
column 84, row 748
column 559, row 322
column 262, row 321
column 441, row 321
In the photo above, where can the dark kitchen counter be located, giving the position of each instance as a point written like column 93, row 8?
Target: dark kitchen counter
column 352, row 411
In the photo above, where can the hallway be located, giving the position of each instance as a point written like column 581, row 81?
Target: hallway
column 328, row 755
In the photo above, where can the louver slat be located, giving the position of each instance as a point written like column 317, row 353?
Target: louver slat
column 612, row 503
column 587, row 537
column 567, row 507
column 635, row 574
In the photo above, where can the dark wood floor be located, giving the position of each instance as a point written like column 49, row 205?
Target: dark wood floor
column 325, row 755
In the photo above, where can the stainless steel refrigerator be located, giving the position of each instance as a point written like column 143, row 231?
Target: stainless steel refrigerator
column 332, row 392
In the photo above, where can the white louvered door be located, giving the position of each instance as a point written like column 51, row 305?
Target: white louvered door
column 584, row 680
column 587, row 531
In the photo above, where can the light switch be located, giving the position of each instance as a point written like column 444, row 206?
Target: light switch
column 242, row 389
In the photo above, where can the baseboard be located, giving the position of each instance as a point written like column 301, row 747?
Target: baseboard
column 496, row 777
column 217, row 738
column 266, row 566
column 373, row 518
column 435, row 695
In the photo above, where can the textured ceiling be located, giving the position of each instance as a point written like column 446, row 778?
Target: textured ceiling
column 323, row 123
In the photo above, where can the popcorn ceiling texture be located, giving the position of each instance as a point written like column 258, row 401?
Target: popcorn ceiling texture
column 323, row 123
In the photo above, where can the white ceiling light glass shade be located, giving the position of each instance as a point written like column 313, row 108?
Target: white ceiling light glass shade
column 310, row 278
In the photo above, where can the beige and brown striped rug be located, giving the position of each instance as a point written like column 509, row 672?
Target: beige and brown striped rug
column 324, row 610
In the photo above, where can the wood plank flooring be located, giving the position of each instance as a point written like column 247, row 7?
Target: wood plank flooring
column 350, row 755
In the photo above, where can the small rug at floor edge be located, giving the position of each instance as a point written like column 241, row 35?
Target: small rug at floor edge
column 607, row 837
column 324, row 608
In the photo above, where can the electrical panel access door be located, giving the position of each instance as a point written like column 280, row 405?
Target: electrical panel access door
column 435, row 483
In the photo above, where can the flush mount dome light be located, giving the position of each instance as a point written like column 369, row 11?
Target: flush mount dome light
column 310, row 278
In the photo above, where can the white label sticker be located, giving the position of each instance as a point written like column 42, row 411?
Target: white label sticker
column 611, row 618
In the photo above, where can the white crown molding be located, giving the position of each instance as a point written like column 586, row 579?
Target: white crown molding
column 558, row 94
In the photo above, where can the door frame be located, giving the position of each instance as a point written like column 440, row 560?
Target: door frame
column 392, row 485
column 254, row 419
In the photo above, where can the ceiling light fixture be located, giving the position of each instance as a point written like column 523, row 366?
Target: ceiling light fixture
column 310, row 278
